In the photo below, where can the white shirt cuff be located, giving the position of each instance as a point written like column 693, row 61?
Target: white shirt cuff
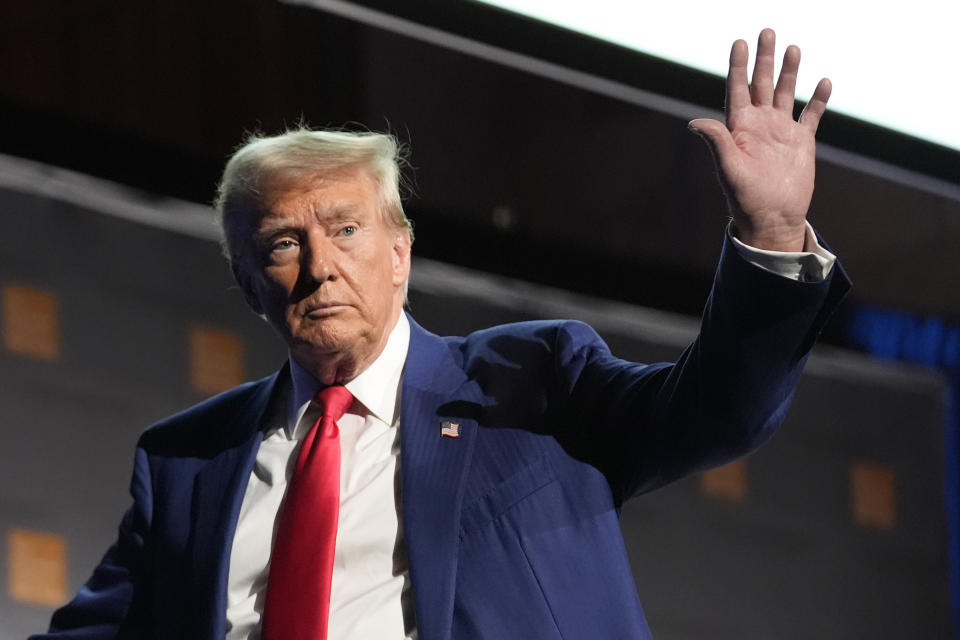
column 812, row 265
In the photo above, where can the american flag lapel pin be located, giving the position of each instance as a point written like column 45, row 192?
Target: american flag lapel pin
column 450, row 429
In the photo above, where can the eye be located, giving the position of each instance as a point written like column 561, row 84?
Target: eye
column 282, row 250
column 283, row 245
column 348, row 230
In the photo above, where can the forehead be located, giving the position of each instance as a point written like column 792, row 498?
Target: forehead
column 351, row 186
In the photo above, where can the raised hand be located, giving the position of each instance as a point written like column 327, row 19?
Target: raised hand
column 765, row 158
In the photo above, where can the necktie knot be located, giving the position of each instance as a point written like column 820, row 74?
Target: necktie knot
column 334, row 401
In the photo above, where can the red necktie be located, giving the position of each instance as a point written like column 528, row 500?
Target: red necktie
column 301, row 565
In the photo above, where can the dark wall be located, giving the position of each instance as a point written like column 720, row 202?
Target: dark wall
column 539, row 173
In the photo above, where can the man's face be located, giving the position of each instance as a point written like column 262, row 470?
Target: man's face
column 326, row 268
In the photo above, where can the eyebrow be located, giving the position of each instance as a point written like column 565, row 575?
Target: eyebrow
column 269, row 228
column 336, row 211
column 273, row 225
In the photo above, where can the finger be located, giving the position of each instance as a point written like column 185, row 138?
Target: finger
column 810, row 118
column 717, row 137
column 762, row 91
column 783, row 96
column 738, row 90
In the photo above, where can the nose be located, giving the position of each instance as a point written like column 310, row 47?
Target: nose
column 317, row 256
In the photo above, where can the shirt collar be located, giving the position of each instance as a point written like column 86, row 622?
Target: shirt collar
column 377, row 387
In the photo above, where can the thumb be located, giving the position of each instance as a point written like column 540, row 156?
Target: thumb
column 715, row 134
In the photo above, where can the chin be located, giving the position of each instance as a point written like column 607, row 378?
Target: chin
column 324, row 342
column 329, row 339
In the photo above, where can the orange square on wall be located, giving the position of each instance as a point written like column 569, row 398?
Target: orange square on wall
column 36, row 568
column 216, row 360
column 728, row 482
column 873, row 496
column 31, row 322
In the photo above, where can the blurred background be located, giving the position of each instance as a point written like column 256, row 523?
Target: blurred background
column 552, row 176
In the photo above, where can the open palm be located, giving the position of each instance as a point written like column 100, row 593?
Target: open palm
column 766, row 159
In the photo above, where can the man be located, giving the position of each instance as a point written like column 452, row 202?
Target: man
column 476, row 481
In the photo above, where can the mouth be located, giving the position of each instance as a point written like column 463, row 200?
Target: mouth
column 324, row 309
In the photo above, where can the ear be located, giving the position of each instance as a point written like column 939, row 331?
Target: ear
column 401, row 257
column 246, row 286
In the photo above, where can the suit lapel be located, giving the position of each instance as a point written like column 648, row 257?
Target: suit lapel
column 219, row 488
column 433, row 469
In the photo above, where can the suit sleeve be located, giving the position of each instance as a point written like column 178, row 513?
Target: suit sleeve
column 103, row 607
column 647, row 425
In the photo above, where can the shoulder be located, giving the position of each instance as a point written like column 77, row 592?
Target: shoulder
column 215, row 423
column 538, row 336
column 508, row 357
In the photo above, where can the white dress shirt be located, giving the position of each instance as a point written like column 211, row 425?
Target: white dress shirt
column 810, row 265
column 371, row 595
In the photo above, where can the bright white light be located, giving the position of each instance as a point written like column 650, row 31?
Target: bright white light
column 890, row 64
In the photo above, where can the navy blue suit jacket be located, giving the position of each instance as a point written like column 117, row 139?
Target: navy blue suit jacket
column 512, row 528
